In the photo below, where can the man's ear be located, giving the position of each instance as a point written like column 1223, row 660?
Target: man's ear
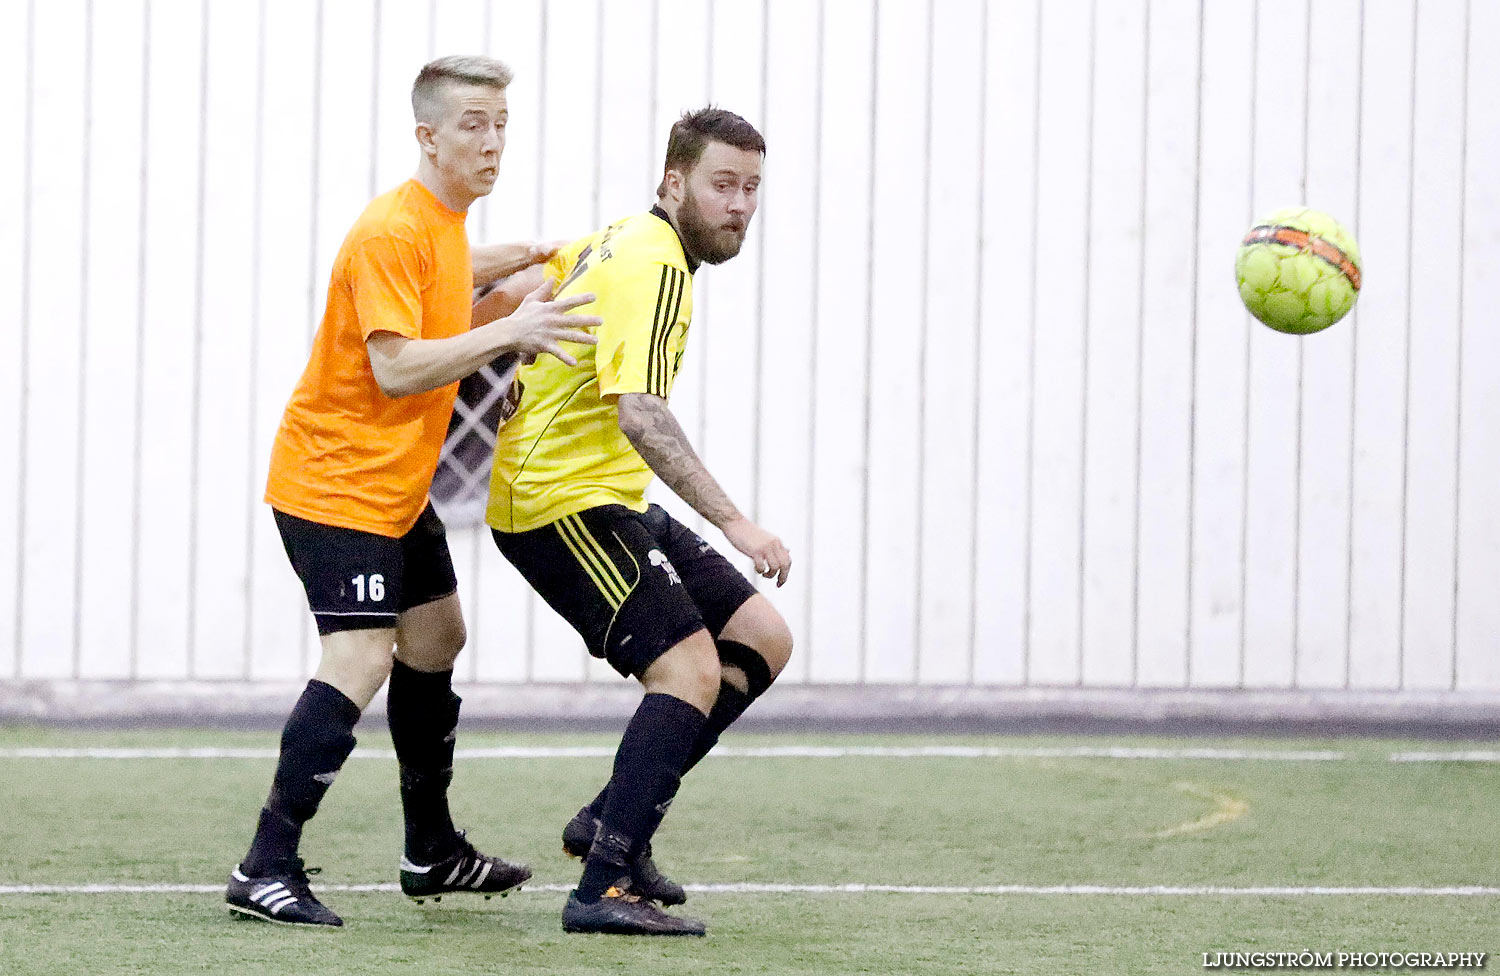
column 673, row 183
column 426, row 138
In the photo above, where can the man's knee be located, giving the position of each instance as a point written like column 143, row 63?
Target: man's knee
column 431, row 636
column 688, row 670
column 759, row 625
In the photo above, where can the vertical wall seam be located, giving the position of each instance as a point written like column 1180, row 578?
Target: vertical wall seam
column 1140, row 357
column 1036, row 142
column 1083, row 398
column 85, row 276
column 1458, row 412
column 864, row 500
column 1297, row 465
column 1359, row 141
column 257, row 199
column 810, row 602
column 142, row 259
column 977, row 374
column 924, row 291
column 23, row 420
column 312, row 237
column 1192, row 458
column 195, row 418
column 1249, row 350
column 1411, row 190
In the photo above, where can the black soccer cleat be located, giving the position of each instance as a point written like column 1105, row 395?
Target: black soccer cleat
column 625, row 913
column 646, row 878
column 283, row 897
column 467, row 870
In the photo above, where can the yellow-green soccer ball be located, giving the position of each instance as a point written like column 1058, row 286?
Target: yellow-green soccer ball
column 1298, row 270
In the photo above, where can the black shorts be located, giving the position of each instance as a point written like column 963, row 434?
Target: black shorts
column 361, row 581
column 633, row 584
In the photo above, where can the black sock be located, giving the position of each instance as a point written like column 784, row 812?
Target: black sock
column 729, row 706
column 423, row 713
column 317, row 738
column 648, row 769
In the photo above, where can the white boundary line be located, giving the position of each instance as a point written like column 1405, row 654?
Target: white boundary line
column 724, row 752
column 1472, row 755
column 1146, row 891
column 787, row 752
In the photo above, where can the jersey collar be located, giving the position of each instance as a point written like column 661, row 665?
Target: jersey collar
column 692, row 265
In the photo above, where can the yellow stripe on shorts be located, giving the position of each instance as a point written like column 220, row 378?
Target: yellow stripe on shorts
column 593, row 560
column 611, row 570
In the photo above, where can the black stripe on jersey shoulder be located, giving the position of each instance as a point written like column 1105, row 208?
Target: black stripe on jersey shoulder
column 675, row 291
column 663, row 299
column 682, row 287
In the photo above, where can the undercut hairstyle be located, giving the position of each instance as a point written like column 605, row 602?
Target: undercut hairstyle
column 464, row 69
column 695, row 130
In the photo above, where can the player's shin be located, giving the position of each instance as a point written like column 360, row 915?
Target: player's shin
column 422, row 712
column 315, row 742
column 647, row 772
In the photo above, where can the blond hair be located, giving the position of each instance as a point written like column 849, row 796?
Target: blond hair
column 467, row 69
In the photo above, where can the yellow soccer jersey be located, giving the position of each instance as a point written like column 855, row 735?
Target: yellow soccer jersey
column 563, row 451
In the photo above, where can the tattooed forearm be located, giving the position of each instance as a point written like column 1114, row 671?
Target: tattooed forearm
column 650, row 427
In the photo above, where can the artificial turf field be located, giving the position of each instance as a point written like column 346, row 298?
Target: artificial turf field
column 996, row 830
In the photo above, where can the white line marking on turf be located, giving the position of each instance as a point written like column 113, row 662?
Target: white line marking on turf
column 1473, row 755
column 1149, row 891
column 725, row 752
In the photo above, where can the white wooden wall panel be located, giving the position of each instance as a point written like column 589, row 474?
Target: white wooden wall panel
column 1007, row 303
column 1478, row 612
column 224, row 498
column 502, row 610
column 949, row 340
column 110, row 284
column 278, row 643
column 1380, row 400
column 1322, row 600
column 981, row 363
column 1432, row 366
column 728, row 334
column 1111, row 399
column 810, row 453
column 172, row 238
column 16, row 67
column 53, row 348
column 684, row 82
column 1172, row 113
column 898, row 252
column 1059, row 348
column 1280, row 132
column 1221, row 348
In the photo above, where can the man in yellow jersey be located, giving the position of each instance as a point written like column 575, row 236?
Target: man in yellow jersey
column 568, row 509
column 350, row 471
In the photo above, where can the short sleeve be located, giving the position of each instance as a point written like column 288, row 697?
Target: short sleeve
column 385, row 277
column 639, row 304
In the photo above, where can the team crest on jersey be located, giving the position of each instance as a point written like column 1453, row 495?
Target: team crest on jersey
column 656, row 558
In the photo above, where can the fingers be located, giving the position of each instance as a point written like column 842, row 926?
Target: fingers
column 542, row 292
column 557, row 351
column 581, row 322
column 573, row 301
column 582, row 338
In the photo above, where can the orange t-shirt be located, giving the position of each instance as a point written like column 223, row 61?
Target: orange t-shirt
column 346, row 454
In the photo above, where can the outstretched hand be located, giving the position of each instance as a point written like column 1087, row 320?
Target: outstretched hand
column 541, row 324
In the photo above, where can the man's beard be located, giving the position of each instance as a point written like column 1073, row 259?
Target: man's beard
column 703, row 241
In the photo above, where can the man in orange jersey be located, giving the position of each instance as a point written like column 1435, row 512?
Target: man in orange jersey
column 349, row 478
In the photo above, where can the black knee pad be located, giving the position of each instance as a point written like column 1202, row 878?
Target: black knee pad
column 744, row 657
